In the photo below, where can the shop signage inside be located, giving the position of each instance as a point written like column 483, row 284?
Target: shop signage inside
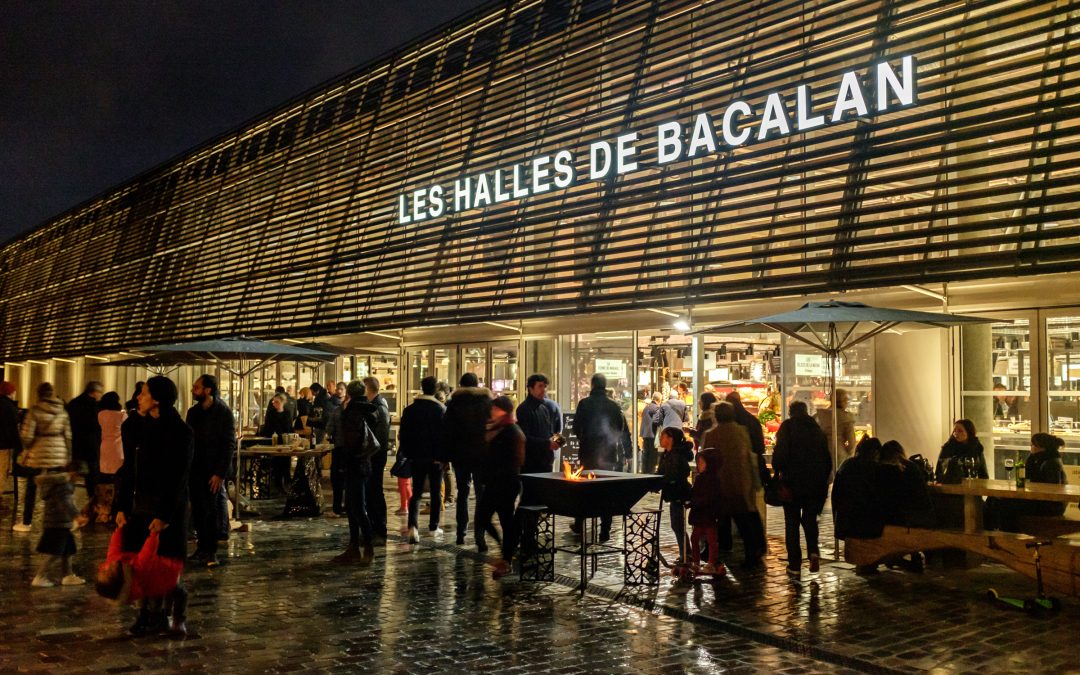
column 782, row 113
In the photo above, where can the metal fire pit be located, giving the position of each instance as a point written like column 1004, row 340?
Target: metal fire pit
column 611, row 493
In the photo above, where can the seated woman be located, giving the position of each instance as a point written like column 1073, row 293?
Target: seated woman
column 1043, row 465
column 856, row 503
column 904, row 497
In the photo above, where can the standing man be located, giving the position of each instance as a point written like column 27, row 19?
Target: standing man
column 755, row 531
column 674, row 412
column 541, row 419
column 10, row 443
column 214, row 442
column 845, row 425
column 603, row 435
column 648, row 432
column 377, row 411
column 356, row 419
column 418, row 440
column 463, row 429
column 86, row 435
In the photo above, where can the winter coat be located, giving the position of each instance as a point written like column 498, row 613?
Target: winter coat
column 801, row 456
column 419, row 433
column 705, row 422
column 46, row 435
column 153, row 481
column 707, row 499
column 356, row 418
column 1044, row 467
column 317, row 415
column 112, row 444
column 464, row 425
column 377, row 414
column 539, row 420
column 9, row 426
column 675, row 468
column 152, row 575
column 501, row 469
column 903, row 495
column 736, row 467
column 85, row 430
column 58, row 493
column 333, row 427
column 673, row 413
column 856, row 503
column 954, row 448
column 750, row 422
column 603, row 436
column 214, row 440
column 648, row 417
column 276, row 423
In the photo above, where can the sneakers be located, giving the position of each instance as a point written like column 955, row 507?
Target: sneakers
column 72, row 580
column 438, row 534
column 414, row 535
column 42, row 582
column 20, row 527
column 448, row 504
column 718, row 568
column 815, row 562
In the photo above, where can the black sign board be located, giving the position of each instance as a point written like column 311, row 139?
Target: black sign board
column 571, row 447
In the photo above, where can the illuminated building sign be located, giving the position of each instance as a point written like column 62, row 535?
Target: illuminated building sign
column 707, row 133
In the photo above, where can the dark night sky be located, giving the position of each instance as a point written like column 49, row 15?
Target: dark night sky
column 95, row 92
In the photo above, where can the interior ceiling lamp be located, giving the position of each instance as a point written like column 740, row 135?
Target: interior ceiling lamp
column 682, row 325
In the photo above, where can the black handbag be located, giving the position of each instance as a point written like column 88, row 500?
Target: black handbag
column 402, row 467
column 777, row 492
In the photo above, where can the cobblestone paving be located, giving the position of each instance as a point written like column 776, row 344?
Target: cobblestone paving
column 279, row 605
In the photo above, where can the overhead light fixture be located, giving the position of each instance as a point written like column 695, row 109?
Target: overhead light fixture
column 40, row 363
column 12, row 363
column 504, row 326
column 383, row 335
column 674, row 315
column 682, row 325
column 57, row 358
column 96, row 358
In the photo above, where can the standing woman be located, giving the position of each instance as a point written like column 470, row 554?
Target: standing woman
column 803, row 462
column 46, row 439
column 111, row 417
column 152, row 493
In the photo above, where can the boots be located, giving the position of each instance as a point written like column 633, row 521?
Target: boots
column 350, row 555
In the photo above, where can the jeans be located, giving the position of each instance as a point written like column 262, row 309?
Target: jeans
column 802, row 511
column 376, row 498
column 431, row 475
column 356, row 483
column 208, row 512
column 337, row 479
column 466, row 476
column 499, row 500
column 29, row 497
column 678, row 526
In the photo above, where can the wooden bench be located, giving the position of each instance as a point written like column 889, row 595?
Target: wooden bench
column 1048, row 527
column 1060, row 561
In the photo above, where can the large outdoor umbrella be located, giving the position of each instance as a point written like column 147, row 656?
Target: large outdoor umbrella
column 223, row 352
column 834, row 326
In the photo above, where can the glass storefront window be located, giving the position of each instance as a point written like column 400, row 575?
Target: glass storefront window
column 474, row 360
column 996, row 379
column 540, row 358
column 1063, row 375
column 384, row 368
column 607, row 353
column 504, row 369
column 419, row 361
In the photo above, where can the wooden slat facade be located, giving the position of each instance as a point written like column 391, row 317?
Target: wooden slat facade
column 295, row 215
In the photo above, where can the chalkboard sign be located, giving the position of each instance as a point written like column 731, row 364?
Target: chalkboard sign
column 572, row 445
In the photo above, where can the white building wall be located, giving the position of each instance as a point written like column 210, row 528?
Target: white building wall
column 911, row 387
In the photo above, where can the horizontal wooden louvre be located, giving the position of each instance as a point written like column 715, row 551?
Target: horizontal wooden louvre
column 289, row 226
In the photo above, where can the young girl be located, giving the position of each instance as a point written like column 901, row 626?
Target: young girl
column 57, row 543
column 675, row 457
column 145, row 576
column 705, row 507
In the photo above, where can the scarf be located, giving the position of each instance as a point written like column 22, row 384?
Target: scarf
column 494, row 427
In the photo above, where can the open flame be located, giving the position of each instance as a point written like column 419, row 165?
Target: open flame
column 569, row 473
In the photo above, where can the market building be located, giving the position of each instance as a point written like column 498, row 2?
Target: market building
column 551, row 185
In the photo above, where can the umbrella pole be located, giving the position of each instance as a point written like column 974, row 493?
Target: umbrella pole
column 835, row 438
column 239, row 443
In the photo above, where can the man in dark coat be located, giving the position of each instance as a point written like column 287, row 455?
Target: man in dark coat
column 419, row 440
column 802, row 458
column 357, row 416
column 86, row 433
column 856, row 501
column 377, row 412
column 603, row 437
column 215, row 442
column 540, row 418
column 463, row 429
column 152, row 487
column 10, row 441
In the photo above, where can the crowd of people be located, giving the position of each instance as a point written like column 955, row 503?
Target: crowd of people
column 146, row 468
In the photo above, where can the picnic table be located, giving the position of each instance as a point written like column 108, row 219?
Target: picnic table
column 973, row 491
column 304, row 494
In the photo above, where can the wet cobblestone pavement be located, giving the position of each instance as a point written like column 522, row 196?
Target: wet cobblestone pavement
column 280, row 605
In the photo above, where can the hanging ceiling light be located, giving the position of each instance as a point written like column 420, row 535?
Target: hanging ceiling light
column 681, row 325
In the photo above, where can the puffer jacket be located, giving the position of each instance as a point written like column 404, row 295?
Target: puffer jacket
column 58, row 494
column 46, row 435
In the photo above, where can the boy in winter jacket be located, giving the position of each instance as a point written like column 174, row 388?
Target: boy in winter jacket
column 57, row 543
column 705, row 511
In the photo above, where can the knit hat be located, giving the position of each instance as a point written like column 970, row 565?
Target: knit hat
column 6, row 389
column 162, row 390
